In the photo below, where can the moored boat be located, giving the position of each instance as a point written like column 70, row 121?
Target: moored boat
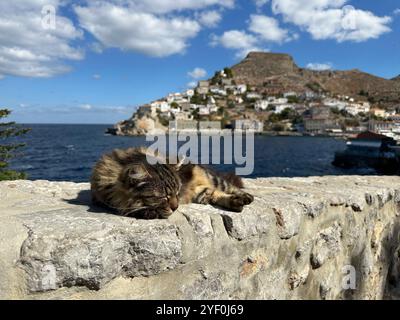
column 371, row 150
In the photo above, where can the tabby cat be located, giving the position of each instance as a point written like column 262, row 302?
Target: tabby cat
column 124, row 181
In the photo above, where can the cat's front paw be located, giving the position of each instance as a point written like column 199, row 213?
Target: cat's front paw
column 238, row 201
column 247, row 198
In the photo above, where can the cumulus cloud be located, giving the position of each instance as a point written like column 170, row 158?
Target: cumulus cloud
column 268, row 29
column 210, row 19
column 332, row 19
column 167, row 6
column 127, row 29
column 238, row 40
column 396, row 12
column 29, row 49
column 86, row 107
column 197, row 73
column 319, row 66
column 262, row 31
column 89, row 108
column 156, row 28
column 260, row 3
column 96, row 47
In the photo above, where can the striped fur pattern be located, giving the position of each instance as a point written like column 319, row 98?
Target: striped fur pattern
column 125, row 182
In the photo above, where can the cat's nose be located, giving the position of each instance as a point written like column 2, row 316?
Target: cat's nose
column 173, row 204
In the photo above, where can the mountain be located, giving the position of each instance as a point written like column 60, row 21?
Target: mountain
column 275, row 72
column 396, row 78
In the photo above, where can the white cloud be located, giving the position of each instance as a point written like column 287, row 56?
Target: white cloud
column 156, row 28
column 28, row 49
column 210, row 19
column 262, row 30
column 240, row 41
column 86, row 107
column 268, row 29
column 235, row 39
column 167, row 6
column 260, row 3
column 192, row 84
column 97, row 47
column 197, row 73
column 127, row 29
column 96, row 77
column 319, row 66
column 330, row 19
column 396, row 12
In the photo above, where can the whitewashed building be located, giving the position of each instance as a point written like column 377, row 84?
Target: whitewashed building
column 204, row 110
column 253, row 95
column 280, row 107
column 290, row 94
column 261, row 105
column 357, row 108
column 163, row 106
column 248, row 125
column 334, row 103
column 241, row 88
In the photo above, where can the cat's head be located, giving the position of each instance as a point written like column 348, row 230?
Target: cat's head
column 157, row 186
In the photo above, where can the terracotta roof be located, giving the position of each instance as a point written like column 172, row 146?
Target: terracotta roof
column 368, row 135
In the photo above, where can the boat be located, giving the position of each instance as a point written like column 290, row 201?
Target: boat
column 370, row 150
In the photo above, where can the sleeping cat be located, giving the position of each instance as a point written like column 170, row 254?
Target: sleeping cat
column 124, row 181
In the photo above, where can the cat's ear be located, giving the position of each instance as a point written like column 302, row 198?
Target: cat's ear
column 138, row 172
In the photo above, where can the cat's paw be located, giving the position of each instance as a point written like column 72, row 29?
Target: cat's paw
column 247, row 198
column 238, row 201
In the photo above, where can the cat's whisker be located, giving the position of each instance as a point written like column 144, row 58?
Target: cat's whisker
column 133, row 211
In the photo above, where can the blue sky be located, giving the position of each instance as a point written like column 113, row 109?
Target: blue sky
column 97, row 60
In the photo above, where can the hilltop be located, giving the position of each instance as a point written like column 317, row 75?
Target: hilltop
column 280, row 71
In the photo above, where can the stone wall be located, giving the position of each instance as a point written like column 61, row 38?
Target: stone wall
column 300, row 239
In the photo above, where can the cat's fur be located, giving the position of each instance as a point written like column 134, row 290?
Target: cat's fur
column 124, row 181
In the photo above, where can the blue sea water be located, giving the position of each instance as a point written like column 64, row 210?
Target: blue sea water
column 68, row 153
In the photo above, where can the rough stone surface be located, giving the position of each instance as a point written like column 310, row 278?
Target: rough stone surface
column 295, row 241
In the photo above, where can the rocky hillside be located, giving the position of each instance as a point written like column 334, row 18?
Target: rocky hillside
column 279, row 70
column 396, row 78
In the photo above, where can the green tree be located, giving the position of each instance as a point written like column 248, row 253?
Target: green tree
column 7, row 150
column 229, row 73
column 174, row 105
column 197, row 99
column 293, row 99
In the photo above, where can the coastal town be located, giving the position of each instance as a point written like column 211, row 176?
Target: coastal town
column 224, row 103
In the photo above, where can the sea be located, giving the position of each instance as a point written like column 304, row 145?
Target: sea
column 59, row 152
